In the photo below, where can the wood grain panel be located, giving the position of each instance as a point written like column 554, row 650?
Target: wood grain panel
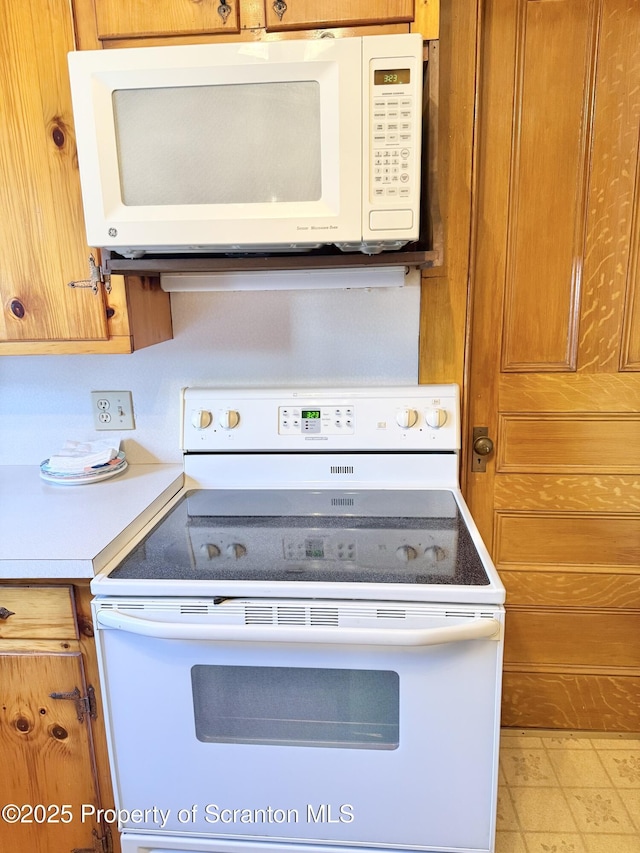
column 571, row 589
column 550, row 160
column 577, row 392
column 443, row 299
column 307, row 14
column 44, row 246
column 38, row 733
column 588, row 637
column 158, row 17
column 630, row 355
column 570, row 701
column 611, row 187
column 568, row 443
column 38, row 612
column 567, row 538
column 586, row 493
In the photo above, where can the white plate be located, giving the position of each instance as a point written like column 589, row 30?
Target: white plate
column 93, row 476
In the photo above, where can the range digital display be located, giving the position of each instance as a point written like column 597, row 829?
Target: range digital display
column 311, row 414
column 392, row 77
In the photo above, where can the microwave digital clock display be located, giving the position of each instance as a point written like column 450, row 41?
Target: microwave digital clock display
column 308, row 414
column 392, row 77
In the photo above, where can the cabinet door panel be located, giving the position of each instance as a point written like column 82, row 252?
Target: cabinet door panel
column 47, row 753
column 306, row 14
column 116, row 18
column 42, row 244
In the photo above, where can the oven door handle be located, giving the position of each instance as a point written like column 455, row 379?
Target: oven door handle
column 475, row 629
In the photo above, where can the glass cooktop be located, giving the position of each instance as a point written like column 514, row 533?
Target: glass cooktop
column 369, row 536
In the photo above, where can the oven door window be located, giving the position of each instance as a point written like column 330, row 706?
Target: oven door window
column 296, row 706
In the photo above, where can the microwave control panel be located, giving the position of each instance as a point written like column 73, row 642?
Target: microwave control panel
column 395, row 139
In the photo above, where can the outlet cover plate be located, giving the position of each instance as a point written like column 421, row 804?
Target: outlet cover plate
column 112, row 409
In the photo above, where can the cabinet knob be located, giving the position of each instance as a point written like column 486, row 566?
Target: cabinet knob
column 280, row 7
column 4, row 613
column 224, row 10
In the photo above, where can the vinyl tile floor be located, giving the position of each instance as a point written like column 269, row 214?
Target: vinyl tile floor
column 568, row 793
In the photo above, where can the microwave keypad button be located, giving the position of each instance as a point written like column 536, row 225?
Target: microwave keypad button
column 392, row 139
column 393, row 114
column 404, row 192
column 393, row 102
column 404, row 178
column 404, row 152
column 390, row 220
column 392, row 191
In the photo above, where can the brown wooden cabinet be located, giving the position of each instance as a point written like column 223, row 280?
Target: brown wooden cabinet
column 42, row 243
column 254, row 19
column 52, row 741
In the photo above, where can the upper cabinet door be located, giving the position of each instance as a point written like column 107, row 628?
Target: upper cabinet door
column 116, row 19
column 307, row 14
column 42, row 243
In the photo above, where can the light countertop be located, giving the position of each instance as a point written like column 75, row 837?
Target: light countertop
column 62, row 531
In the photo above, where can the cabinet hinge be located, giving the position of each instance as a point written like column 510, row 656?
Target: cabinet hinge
column 101, row 843
column 97, row 277
column 84, row 704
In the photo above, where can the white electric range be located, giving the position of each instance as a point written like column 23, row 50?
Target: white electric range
column 304, row 652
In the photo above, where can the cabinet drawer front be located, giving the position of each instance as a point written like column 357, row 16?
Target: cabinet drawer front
column 38, row 612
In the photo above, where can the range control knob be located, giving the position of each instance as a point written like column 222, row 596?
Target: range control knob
column 405, row 553
column 406, row 417
column 229, row 419
column 436, row 418
column 210, row 550
column 235, row 550
column 201, row 418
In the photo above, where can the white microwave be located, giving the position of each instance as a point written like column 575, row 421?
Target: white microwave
column 251, row 147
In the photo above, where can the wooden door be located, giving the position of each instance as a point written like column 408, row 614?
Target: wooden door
column 47, row 755
column 554, row 359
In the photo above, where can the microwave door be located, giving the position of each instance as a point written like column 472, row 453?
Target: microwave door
column 206, row 147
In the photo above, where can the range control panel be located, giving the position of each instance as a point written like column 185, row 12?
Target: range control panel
column 322, row 420
column 421, row 417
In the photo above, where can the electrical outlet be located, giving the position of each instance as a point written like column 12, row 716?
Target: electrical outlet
column 112, row 409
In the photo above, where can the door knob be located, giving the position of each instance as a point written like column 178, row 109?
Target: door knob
column 482, row 447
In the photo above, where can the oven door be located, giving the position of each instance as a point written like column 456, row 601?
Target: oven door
column 383, row 733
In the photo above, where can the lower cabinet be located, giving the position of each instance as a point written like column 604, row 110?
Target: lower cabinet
column 54, row 784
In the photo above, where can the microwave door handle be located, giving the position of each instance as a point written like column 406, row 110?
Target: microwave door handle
column 475, row 629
